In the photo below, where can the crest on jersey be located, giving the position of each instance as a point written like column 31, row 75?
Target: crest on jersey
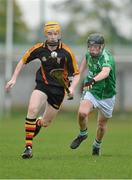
column 44, row 58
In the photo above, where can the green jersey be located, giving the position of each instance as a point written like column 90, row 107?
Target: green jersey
column 105, row 88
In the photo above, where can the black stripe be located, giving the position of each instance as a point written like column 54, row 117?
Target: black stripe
column 29, row 123
column 29, row 138
column 29, row 130
column 30, row 119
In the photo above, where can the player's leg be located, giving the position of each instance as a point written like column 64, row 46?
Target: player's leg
column 105, row 107
column 37, row 100
column 48, row 116
column 100, row 131
column 85, row 108
column 52, row 108
column 46, row 119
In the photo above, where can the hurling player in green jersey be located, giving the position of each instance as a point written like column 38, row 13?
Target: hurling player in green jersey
column 98, row 90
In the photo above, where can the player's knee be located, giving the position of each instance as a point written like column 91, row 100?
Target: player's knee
column 82, row 115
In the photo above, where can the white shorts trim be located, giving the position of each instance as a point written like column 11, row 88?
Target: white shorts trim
column 106, row 106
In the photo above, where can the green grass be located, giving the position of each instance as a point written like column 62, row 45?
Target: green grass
column 53, row 159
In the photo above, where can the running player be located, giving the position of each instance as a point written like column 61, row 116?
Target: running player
column 98, row 90
column 52, row 54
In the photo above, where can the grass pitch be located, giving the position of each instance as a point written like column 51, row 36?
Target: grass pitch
column 53, row 159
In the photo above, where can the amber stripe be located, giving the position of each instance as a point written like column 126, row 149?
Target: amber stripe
column 29, row 133
column 30, row 125
column 29, row 143
column 75, row 65
column 29, row 51
column 31, row 122
column 43, row 75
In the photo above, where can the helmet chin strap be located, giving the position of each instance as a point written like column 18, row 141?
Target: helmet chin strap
column 52, row 43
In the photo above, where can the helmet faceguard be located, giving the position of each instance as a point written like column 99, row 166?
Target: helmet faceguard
column 95, row 41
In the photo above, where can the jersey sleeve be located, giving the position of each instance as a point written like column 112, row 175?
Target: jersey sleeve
column 107, row 60
column 31, row 53
column 71, row 62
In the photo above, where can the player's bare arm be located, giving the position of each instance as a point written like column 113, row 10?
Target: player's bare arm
column 74, row 84
column 103, row 74
column 82, row 66
column 12, row 82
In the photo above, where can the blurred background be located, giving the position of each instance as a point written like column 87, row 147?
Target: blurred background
column 21, row 26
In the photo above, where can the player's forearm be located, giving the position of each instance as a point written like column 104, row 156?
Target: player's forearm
column 103, row 74
column 82, row 66
column 75, row 81
column 17, row 70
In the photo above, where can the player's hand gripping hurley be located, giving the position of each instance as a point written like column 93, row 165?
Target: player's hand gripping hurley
column 58, row 75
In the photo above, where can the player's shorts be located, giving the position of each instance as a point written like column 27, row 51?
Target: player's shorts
column 106, row 106
column 55, row 94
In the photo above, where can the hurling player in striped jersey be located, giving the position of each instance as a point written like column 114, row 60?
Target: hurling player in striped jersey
column 52, row 54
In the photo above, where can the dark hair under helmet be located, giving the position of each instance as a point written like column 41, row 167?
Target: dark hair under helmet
column 95, row 39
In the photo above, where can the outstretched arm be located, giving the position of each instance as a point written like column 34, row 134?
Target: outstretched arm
column 76, row 78
column 103, row 74
column 12, row 82
column 83, row 66
column 74, row 84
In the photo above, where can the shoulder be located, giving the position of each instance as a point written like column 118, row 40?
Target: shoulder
column 66, row 48
column 36, row 46
column 106, row 54
column 108, row 58
column 31, row 51
column 39, row 45
column 87, row 54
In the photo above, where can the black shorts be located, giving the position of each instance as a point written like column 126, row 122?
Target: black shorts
column 55, row 94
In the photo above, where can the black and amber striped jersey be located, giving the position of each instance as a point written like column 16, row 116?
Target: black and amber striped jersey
column 65, row 60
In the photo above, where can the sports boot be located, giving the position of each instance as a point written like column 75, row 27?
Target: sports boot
column 95, row 151
column 76, row 142
column 27, row 153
